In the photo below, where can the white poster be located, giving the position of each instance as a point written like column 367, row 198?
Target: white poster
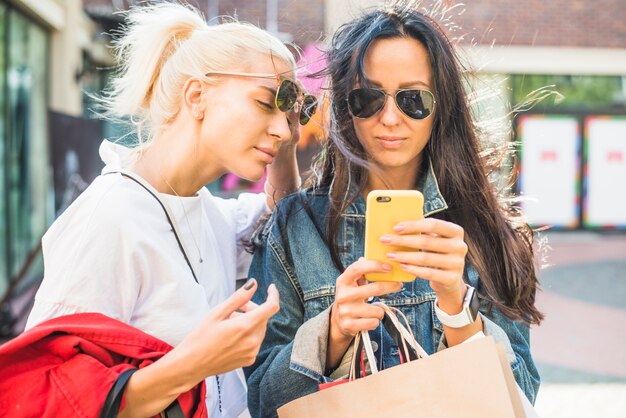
column 550, row 166
column 605, row 182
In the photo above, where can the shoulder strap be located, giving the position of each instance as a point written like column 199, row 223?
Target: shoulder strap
column 168, row 214
column 113, row 400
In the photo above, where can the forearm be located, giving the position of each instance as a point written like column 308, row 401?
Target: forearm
column 153, row 388
column 336, row 350
column 338, row 344
column 283, row 176
column 455, row 336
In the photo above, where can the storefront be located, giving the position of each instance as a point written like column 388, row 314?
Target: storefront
column 572, row 151
column 26, row 194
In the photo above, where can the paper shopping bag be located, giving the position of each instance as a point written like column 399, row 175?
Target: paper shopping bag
column 471, row 380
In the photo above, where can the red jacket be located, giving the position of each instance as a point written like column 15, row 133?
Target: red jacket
column 66, row 366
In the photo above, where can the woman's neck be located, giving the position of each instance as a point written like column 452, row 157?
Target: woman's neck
column 398, row 178
column 172, row 166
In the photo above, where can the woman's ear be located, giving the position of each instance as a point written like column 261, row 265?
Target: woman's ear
column 193, row 95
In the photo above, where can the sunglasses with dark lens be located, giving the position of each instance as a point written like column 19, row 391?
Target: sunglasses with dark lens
column 289, row 96
column 415, row 103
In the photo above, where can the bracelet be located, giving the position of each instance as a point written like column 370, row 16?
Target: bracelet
column 274, row 190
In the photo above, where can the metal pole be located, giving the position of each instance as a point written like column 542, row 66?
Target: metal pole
column 213, row 10
column 272, row 16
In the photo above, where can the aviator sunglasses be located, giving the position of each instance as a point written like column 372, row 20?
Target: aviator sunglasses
column 289, row 96
column 415, row 103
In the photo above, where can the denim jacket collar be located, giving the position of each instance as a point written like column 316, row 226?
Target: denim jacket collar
column 427, row 184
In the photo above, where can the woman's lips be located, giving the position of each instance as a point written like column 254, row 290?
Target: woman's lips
column 267, row 154
column 390, row 142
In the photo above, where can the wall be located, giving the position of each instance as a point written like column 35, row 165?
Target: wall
column 303, row 20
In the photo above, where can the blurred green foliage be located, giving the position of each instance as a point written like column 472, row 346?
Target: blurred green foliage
column 580, row 92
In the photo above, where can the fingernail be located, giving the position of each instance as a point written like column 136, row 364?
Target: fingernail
column 391, row 255
column 387, row 267
column 398, row 228
column 249, row 284
column 385, row 239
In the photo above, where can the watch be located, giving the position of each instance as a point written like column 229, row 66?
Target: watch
column 467, row 315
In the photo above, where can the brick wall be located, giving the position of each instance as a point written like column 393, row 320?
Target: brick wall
column 302, row 19
column 573, row 23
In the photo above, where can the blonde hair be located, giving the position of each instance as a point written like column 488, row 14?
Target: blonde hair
column 164, row 45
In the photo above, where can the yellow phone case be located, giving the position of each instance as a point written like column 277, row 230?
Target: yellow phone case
column 385, row 209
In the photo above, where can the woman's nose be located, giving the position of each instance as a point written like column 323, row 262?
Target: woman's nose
column 281, row 127
column 390, row 114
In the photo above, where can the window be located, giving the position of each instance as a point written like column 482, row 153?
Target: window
column 3, row 209
column 26, row 198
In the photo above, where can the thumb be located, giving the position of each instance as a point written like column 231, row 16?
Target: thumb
column 272, row 303
column 237, row 300
column 268, row 308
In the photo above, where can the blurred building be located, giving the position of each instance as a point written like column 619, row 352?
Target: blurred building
column 49, row 50
column 571, row 150
column 54, row 54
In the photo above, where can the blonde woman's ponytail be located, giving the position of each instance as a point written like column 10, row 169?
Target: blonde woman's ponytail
column 153, row 35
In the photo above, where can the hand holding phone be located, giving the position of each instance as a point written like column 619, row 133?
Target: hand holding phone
column 385, row 209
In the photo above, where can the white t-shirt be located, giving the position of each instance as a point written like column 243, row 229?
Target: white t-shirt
column 112, row 251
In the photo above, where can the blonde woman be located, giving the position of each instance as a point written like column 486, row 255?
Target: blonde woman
column 206, row 100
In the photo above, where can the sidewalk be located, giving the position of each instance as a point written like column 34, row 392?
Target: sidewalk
column 580, row 347
column 595, row 400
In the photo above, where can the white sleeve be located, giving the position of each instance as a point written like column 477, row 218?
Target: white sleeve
column 91, row 265
column 244, row 212
column 243, row 216
column 249, row 209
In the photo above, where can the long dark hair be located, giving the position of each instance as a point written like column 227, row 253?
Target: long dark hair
column 500, row 243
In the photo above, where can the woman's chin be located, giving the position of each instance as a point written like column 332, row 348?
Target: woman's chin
column 251, row 175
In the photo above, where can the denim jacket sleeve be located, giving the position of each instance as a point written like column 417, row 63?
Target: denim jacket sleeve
column 517, row 348
column 275, row 378
column 515, row 337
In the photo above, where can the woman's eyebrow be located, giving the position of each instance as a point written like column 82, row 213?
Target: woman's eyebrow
column 402, row 85
column 414, row 83
column 272, row 90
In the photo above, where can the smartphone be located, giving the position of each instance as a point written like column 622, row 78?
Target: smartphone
column 384, row 210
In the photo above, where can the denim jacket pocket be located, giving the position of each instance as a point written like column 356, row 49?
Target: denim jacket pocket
column 318, row 300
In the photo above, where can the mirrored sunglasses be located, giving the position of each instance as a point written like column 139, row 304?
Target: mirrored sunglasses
column 415, row 103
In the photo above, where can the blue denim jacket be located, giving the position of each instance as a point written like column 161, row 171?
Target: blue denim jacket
column 293, row 256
